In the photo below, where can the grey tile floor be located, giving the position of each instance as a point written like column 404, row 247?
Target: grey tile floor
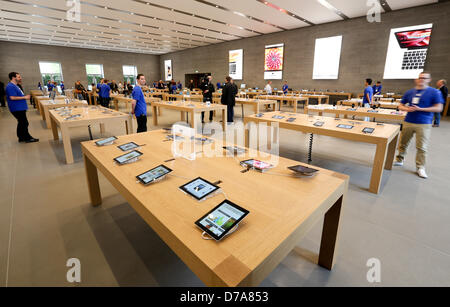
column 46, row 218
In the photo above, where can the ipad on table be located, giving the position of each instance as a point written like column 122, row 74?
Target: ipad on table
column 128, row 157
column 153, row 174
column 257, row 165
column 128, row 146
column 235, row 149
column 319, row 124
column 368, row 130
column 105, row 142
column 218, row 222
column 345, row 126
column 199, row 188
column 303, row 170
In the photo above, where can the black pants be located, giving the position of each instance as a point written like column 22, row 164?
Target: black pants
column 104, row 101
column 22, row 125
column 2, row 100
column 142, row 123
column 230, row 113
column 211, row 113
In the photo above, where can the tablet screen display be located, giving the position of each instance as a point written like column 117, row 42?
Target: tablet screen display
column 291, row 119
column 319, row 124
column 199, row 188
column 351, row 109
column 368, row 130
column 278, row 117
column 128, row 156
column 256, row 164
column 128, row 146
column 106, row 141
column 220, row 220
column 153, row 174
column 303, row 169
column 259, row 115
column 345, row 126
column 235, row 149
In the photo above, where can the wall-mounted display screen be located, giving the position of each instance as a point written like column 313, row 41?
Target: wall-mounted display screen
column 274, row 62
column 327, row 56
column 407, row 52
column 235, row 60
column 168, row 70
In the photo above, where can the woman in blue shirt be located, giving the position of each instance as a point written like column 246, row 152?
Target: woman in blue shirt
column 17, row 103
column 420, row 103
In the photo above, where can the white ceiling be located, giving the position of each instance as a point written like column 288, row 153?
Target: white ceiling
column 161, row 26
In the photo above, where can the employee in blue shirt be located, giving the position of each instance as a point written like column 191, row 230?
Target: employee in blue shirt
column 49, row 87
column 377, row 88
column 61, row 85
column 285, row 88
column 104, row 94
column 179, row 85
column 421, row 103
column 17, row 104
column 139, row 106
column 368, row 94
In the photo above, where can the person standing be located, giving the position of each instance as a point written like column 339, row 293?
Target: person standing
column 377, row 88
column 105, row 94
column 228, row 98
column 49, row 87
column 420, row 103
column 179, row 86
column 191, row 85
column 17, row 103
column 139, row 106
column 61, row 85
column 442, row 86
column 368, row 94
column 268, row 88
column 285, row 88
column 2, row 94
column 208, row 90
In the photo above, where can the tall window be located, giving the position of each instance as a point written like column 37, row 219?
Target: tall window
column 129, row 74
column 94, row 73
column 51, row 71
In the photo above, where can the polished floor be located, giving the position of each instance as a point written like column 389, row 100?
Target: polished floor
column 46, row 218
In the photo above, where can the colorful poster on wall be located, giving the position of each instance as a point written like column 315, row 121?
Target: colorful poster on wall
column 407, row 51
column 273, row 62
column 168, row 70
column 236, row 60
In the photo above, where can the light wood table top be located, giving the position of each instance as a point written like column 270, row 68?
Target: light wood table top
column 382, row 114
column 257, row 104
column 192, row 108
column 384, row 136
column 283, row 208
column 289, row 98
column 47, row 105
column 88, row 115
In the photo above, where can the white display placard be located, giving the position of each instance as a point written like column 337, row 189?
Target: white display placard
column 407, row 51
column 236, row 60
column 168, row 70
column 327, row 56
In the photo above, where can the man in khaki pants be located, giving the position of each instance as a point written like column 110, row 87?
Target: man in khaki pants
column 421, row 103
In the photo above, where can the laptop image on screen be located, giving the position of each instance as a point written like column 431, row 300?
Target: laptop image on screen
column 416, row 43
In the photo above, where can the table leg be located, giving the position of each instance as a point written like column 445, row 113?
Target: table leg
column 155, row 116
column 182, row 117
column 92, row 181
column 67, row 145
column 129, row 125
column 47, row 118
column 242, row 107
column 116, row 104
column 330, row 234
column 257, row 108
column 224, row 120
column 54, row 127
column 391, row 153
column 378, row 166
column 102, row 128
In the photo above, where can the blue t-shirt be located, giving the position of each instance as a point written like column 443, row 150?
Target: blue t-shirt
column 285, row 88
column 427, row 98
column 180, row 86
column 15, row 105
column 50, row 87
column 104, row 91
column 377, row 89
column 141, row 105
column 368, row 90
column 99, row 85
column 62, row 86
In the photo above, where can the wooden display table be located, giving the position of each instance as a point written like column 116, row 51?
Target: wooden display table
column 380, row 114
column 192, row 108
column 384, row 137
column 257, row 104
column 177, row 97
column 381, row 104
column 33, row 94
column 283, row 208
column 289, row 98
column 89, row 116
column 38, row 99
column 47, row 105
